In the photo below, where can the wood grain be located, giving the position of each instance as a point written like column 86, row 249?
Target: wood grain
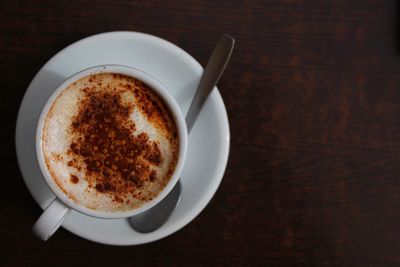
column 312, row 93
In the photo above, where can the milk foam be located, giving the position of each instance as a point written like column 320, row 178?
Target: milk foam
column 57, row 138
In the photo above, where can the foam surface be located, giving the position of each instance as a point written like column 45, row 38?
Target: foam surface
column 58, row 135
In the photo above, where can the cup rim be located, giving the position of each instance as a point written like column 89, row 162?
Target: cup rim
column 161, row 91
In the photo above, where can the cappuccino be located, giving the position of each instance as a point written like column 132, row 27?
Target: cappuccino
column 110, row 143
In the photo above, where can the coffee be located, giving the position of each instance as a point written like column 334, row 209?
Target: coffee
column 110, row 143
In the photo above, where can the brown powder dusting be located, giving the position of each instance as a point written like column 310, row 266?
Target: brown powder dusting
column 57, row 157
column 151, row 108
column 115, row 161
column 153, row 154
column 74, row 179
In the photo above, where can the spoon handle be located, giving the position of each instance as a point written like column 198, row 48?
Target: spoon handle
column 213, row 71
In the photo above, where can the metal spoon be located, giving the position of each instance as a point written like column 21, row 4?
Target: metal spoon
column 155, row 217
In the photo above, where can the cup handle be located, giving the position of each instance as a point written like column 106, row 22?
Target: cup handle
column 50, row 220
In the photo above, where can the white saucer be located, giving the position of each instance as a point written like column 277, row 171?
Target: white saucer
column 208, row 142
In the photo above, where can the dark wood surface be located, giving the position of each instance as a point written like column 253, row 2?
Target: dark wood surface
column 313, row 98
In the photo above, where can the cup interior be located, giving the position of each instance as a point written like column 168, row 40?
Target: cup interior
column 169, row 101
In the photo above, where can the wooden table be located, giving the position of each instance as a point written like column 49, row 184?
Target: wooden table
column 313, row 98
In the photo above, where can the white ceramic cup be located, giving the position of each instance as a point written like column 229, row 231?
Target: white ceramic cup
column 53, row 216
